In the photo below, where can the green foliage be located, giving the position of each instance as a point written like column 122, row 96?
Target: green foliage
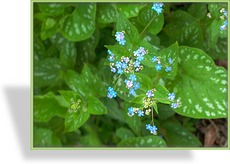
column 72, row 73
column 198, row 100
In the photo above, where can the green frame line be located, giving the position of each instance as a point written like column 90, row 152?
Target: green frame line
column 114, row 148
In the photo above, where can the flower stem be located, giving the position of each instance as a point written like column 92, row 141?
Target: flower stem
column 143, row 31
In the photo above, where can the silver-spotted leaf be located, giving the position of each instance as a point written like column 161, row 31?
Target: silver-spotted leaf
column 148, row 141
column 80, row 25
column 95, row 106
column 76, row 119
column 46, row 107
column 177, row 135
column 150, row 20
column 200, row 85
column 47, row 72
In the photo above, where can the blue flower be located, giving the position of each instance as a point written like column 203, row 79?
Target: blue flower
column 136, row 64
column 154, row 59
column 170, row 60
column 118, row 65
column 149, row 93
column 174, row 105
column 111, row 93
column 167, row 69
column 223, row 27
column 153, row 129
column 158, row 7
column 125, row 59
column 140, row 113
column 171, row 96
column 131, row 111
column 148, row 126
column 132, row 92
column 132, row 77
column 158, row 67
column 140, row 58
column 142, row 51
column 111, row 57
column 123, row 65
column 110, row 52
column 120, row 37
column 120, row 71
column 113, row 69
column 128, row 83
column 136, row 85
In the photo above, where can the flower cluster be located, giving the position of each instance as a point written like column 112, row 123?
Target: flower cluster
column 132, row 111
column 150, row 93
column 175, row 103
column 122, row 65
column 152, row 129
column 120, row 37
column 158, row 7
column 132, row 85
column 224, row 17
column 158, row 66
column 111, row 93
column 127, row 64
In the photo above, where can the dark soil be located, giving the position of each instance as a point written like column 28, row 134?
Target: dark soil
column 213, row 133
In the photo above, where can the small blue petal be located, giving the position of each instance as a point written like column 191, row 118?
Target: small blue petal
column 158, row 67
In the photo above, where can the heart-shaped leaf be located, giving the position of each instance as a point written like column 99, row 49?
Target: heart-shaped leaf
column 200, row 85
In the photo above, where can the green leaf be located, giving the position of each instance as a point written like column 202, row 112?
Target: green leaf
column 133, row 122
column 119, row 51
column 93, row 82
column 184, row 29
column 131, row 32
column 113, row 109
column 198, row 10
column 219, row 51
column 68, row 54
column 214, row 9
column 161, row 94
column 149, row 19
column 165, row 111
column 106, row 13
column 58, row 40
column 38, row 49
column 165, row 54
column 49, row 27
column 44, row 138
column 148, row 141
column 178, row 136
column 91, row 138
column 76, row 83
column 124, row 133
column 130, row 10
column 76, row 119
column 138, row 99
column 52, row 9
column 201, row 85
column 145, row 82
column 80, row 25
column 95, row 106
column 86, row 49
column 46, row 107
column 69, row 96
column 47, row 72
